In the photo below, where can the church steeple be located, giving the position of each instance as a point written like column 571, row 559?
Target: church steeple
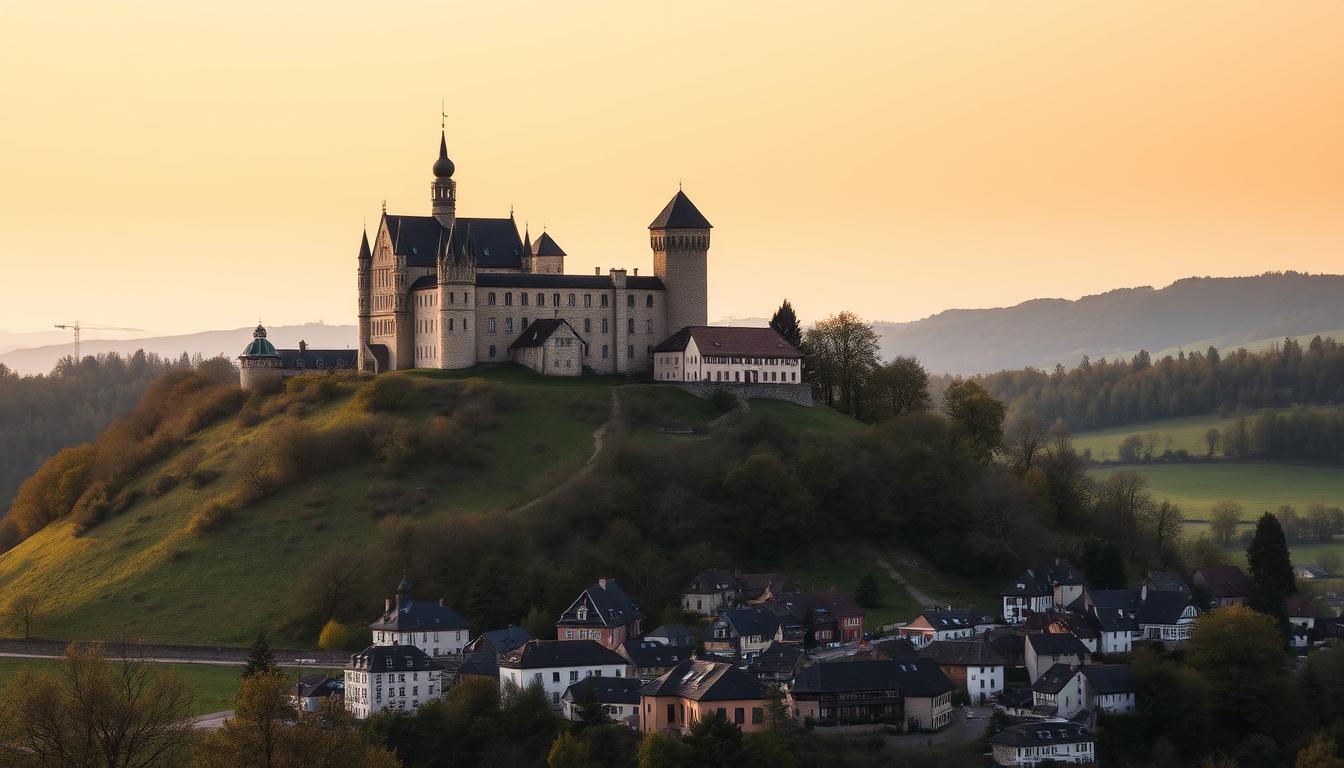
column 443, row 191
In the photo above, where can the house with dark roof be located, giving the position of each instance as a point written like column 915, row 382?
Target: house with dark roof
column 1064, row 621
column 618, row 697
column 697, row 689
column 1110, row 688
column 1058, row 584
column 261, row 363
column 672, row 634
column 934, row 624
column 710, row 591
column 400, row 677
column 651, row 658
column 1162, row 581
column 1029, row 744
column 742, row 632
column 1060, row 691
column 727, row 355
column 499, row 641
column 477, row 664
column 449, row 291
column 1115, row 628
column 778, row 663
column 1043, row 651
column 971, row 664
column 429, row 625
column 913, row 693
column 310, row 691
column 1225, row 584
column 554, row 665
column 756, row 588
column 1166, row 616
column 602, row 612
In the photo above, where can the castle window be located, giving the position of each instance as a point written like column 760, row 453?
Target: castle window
column 451, row 296
column 508, row 298
column 630, row 325
column 571, row 299
column 630, row 352
column 630, row 300
column 648, row 326
column 524, row 323
column 648, row 300
column 450, row 323
column 604, row 351
column 587, row 325
column 490, row 325
column 490, row 298
column 587, row 299
column 508, row 325
column 541, row 300
column 604, row 300
column 604, row 325
column 522, row 298
column 492, row 347
column 464, row 323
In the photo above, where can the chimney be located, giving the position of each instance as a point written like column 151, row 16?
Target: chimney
column 387, row 605
column 303, row 345
column 636, row 271
column 602, row 583
column 597, row 271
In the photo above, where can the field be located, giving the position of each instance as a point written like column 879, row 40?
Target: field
column 213, row 686
column 1185, row 433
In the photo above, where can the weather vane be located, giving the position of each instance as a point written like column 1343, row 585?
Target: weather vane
column 443, row 114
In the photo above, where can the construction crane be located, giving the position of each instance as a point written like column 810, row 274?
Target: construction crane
column 77, row 327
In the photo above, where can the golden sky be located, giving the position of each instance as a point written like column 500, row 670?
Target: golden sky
column 180, row 165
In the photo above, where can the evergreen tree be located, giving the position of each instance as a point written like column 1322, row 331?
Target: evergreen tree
column 1271, row 572
column 868, row 593
column 590, row 711
column 785, row 323
column 1103, row 566
column 260, row 660
column 714, row 742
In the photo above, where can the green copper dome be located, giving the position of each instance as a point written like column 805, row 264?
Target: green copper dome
column 260, row 347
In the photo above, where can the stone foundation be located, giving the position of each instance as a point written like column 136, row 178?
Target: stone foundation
column 799, row 394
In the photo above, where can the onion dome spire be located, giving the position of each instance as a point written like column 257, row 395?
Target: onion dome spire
column 443, row 167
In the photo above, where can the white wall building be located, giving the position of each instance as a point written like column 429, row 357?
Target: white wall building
column 390, row 677
column 722, row 354
column 430, row 626
column 555, row 665
column 1029, row 744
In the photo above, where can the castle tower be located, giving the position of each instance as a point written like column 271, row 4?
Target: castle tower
column 365, row 281
column 259, row 363
column 527, row 249
column 679, row 237
column 457, row 308
column 443, row 192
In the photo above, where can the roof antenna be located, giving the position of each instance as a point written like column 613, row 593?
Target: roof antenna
column 443, row 114
column 384, row 205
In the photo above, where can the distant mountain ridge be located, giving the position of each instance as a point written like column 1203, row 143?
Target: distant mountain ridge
column 229, row 343
column 1188, row 313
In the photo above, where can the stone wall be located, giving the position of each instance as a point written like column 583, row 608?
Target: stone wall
column 800, row 394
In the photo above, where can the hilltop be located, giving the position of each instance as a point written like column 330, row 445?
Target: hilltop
column 1192, row 313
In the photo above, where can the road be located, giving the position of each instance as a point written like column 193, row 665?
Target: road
column 212, row 721
column 177, row 660
column 920, row 597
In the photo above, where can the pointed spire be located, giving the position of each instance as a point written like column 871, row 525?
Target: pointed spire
column 680, row 213
column 365, row 253
column 443, row 167
column 527, row 240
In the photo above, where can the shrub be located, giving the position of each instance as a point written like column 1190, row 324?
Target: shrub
column 333, row 637
column 723, row 400
column 209, row 516
column 202, row 476
column 386, row 393
column 164, row 482
column 311, row 389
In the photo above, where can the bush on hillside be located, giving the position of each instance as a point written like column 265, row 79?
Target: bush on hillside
column 164, row 482
column 209, row 516
column 50, row 493
column 723, row 400
column 312, row 389
column 203, row 476
column 386, row 393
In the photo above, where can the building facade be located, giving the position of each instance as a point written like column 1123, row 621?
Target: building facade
column 443, row 291
column 555, row 665
column 398, row 677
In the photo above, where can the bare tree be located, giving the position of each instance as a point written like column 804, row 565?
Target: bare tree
column 1212, row 438
column 1026, row 438
column 1164, row 522
column 25, row 610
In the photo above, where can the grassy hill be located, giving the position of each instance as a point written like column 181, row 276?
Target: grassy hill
column 149, row 573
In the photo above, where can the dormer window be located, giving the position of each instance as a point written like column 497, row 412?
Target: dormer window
column 583, row 614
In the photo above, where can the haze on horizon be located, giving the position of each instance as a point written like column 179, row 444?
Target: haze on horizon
column 185, row 166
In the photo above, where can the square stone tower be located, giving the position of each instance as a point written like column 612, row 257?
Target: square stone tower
column 679, row 237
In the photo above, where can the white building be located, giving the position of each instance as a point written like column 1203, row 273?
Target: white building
column 555, row 665
column 432, row 627
column 972, row 664
column 722, row 354
column 938, row 625
column 1060, row 691
column 1166, row 616
column 1028, row 744
column 1043, row 651
column 618, row 697
column 1110, row 688
column 390, row 677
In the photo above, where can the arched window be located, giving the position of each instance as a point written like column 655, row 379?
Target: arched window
column 630, row 300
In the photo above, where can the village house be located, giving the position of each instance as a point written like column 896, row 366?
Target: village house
column 499, row 641
column 1046, row 650
column 1162, row 581
column 724, row 354
column 1115, row 629
column 602, row 612
column 971, row 664
column 778, row 663
column 847, row 613
column 309, row 692
column 694, row 690
column 1061, row 621
column 432, row 627
column 913, row 693
column 1060, row 692
column 1309, row 622
column 938, row 624
column 757, row 588
column 710, row 592
column 1110, row 688
column 477, row 664
column 1037, row 589
column 742, row 632
column 1309, row 572
column 382, row 677
column 1226, row 585
column 554, row 665
column 550, row 346
column 1166, row 616
column 1029, row 744
column 651, row 658
column 672, row 634
column 618, row 697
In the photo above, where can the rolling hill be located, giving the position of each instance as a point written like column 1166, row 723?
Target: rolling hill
column 1193, row 313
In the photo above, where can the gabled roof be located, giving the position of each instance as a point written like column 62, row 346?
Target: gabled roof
column 835, row 602
column 944, row 619
column 609, row 690
column 391, row 658
column 1029, row 584
column 1124, row 599
column 1109, row 678
column 962, row 653
column 750, row 621
column 422, row 239
column 316, row 686
column 912, row 677
column 1224, row 581
column 895, row 648
column 1041, row 734
column 712, row 581
column 1055, row 679
column 545, row 654
column 479, row 664
column 730, row 342
column 556, row 282
column 673, row 634
column 1111, row 619
column 420, row 616
column 1163, row 607
column 778, row 659
column 1076, row 623
column 753, row 585
column 680, row 213
column 546, row 246
column 540, row 330
column 647, row 653
column 1166, row 581
column 503, row 640
column 1056, row 644
column 606, row 605
column 705, row 681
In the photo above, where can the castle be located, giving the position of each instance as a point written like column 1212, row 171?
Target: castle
column 444, row 291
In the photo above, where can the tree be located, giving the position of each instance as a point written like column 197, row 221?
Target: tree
column 1290, row 521
column 1103, row 566
column 1164, row 522
column 94, row 712
column 568, row 752
column 591, row 712
column 1224, row 517
column 1211, row 439
column 785, row 323
column 260, row 660
column 661, row 750
column 843, row 352
column 978, row 416
column 903, row 385
column 1322, row 521
column 539, row 622
column 713, row 742
column 1131, row 449
column 1320, row 753
column 23, row 611
column 1271, row 572
column 1025, row 438
column 868, row 593
column 1240, row 652
column 1329, row 560
column 334, row 636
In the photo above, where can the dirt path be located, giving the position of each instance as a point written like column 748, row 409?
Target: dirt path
column 212, row 721
column 920, row 597
column 599, row 442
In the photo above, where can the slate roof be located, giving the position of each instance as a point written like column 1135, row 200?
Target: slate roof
column 751, row 621
column 608, row 606
column 1124, row 599
column 504, row 640
column 1037, row 582
column 1056, row 644
column 962, row 653
column 647, row 653
column 712, row 581
column 680, row 213
column 1162, row 607
column 409, row 615
column 1076, row 623
column 943, row 619
column 546, row 246
column 479, row 664
column 540, row 330
column 895, row 648
column 1225, row 581
column 912, row 677
column 365, row 253
column 1054, row 679
column 705, row 681
column 421, row 239
column 1041, row 734
column 1166, row 581
column 316, row 686
column 674, row 634
column 545, row 654
column 550, row 281
column 1111, row 619
column 391, row 658
column 1109, row 678
column 610, row 690
column 835, row 602
column 752, row 585
column 777, row 659
column 731, row 342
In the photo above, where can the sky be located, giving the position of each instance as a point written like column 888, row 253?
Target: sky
column 182, row 165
